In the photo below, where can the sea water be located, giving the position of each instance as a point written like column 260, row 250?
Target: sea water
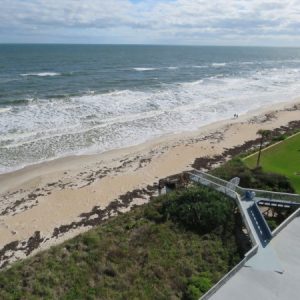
column 59, row 100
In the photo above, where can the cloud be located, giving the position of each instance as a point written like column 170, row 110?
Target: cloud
column 180, row 21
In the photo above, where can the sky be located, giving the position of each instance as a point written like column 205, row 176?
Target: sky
column 174, row 22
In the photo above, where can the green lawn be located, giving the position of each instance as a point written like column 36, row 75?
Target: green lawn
column 283, row 158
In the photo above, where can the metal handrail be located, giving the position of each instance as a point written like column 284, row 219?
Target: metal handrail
column 275, row 195
column 241, row 191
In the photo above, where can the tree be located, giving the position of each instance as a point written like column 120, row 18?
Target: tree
column 264, row 134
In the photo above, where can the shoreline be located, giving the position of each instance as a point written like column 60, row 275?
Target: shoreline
column 47, row 203
column 56, row 163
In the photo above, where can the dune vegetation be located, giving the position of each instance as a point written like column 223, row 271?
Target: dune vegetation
column 175, row 247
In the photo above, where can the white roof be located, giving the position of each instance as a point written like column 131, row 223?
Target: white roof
column 255, row 283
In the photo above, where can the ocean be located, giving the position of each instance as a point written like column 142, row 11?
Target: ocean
column 60, row 100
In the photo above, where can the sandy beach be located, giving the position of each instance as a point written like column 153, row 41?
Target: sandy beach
column 45, row 204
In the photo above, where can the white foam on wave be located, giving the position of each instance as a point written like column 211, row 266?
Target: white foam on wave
column 200, row 67
column 144, row 69
column 247, row 63
column 217, row 65
column 153, row 69
column 5, row 109
column 42, row 74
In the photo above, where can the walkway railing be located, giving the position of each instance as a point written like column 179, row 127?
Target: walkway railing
column 269, row 195
column 214, row 182
column 275, row 195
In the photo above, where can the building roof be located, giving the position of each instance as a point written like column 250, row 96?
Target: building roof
column 254, row 282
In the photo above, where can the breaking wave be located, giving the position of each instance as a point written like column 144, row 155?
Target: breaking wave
column 42, row 74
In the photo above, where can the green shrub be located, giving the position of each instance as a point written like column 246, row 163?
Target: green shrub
column 192, row 293
column 199, row 209
column 279, row 138
column 272, row 224
column 151, row 213
column 91, row 239
column 197, row 286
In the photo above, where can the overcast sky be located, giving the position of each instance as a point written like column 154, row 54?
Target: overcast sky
column 194, row 22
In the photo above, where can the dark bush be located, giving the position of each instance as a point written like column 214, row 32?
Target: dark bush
column 279, row 138
column 199, row 209
column 272, row 224
column 153, row 214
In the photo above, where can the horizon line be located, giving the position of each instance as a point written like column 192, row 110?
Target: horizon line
column 138, row 44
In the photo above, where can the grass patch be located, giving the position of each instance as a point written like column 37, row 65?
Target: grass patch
column 253, row 178
column 258, row 179
column 283, row 158
column 175, row 247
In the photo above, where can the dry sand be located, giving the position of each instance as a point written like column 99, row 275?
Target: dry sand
column 45, row 204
